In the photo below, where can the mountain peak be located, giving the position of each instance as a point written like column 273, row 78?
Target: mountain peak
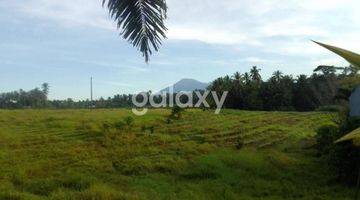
column 188, row 80
column 186, row 85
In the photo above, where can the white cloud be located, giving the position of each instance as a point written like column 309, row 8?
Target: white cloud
column 227, row 21
column 328, row 5
column 277, row 26
column 290, row 27
column 68, row 12
column 208, row 35
column 259, row 60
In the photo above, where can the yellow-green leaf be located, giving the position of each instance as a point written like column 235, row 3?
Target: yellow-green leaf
column 351, row 57
column 353, row 136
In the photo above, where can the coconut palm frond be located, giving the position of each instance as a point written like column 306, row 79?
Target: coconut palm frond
column 351, row 57
column 141, row 22
column 353, row 136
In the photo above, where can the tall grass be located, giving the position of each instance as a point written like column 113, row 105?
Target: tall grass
column 81, row 154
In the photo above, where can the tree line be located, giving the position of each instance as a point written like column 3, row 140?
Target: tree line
column 247, row 91
column 35, row 98
column 284, row 92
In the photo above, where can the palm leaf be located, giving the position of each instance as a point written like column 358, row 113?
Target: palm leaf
column 141, row 22
column 351, row 57
column 353, row 136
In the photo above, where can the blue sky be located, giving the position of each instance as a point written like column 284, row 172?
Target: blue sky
column 65, row 42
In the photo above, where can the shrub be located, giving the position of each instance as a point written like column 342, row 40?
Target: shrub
column 176, row 112
column 11, row 195
column 143, row 128
column 76, row 181
column 168, row 120
column 239, row 144
column 15, row 195
column 329, row 108
column 129, row 121
column 18, row 178
column 326, row 136
column 106, row 126
column 41, row 187
column 101, row 191
column 87, row 127
column 119, row 125
column 150, row 128
column 343, row 157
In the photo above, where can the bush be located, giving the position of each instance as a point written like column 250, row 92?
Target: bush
column 106, row 126
column 15, row 195
column 326, row 136
column 239, row 144
column 87, row 127
column 343, row 157
column 143, row 128
column 168, row 120
column 119, row 125
column 129, row 121
column 176, row 112
column 329, row 108
column 41, row 187
column 76, row 181
column 151, row 129
column 122, row 125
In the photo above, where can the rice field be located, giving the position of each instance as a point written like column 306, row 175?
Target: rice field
column 99, row 154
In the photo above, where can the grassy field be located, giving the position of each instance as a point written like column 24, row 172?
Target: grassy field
column 82, row 154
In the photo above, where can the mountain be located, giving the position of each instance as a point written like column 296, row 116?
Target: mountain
column 186, row 85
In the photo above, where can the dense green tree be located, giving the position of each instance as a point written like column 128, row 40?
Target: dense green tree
column 303, row 97
column 45, row 88
column 35, row 98
column 277, row 92
column 280, row 92
column 255, row 75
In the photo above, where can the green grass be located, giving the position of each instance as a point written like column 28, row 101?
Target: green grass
column 70, row 154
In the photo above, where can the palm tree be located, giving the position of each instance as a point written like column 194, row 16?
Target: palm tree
column 45, row 88
column 255, row 74
column 141, row 22
column 237, row 77
column 278, row 75
column 247, row 78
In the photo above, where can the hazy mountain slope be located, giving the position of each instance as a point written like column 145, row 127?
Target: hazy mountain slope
column 186, row 85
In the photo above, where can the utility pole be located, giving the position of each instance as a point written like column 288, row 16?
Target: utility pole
column 91, row 93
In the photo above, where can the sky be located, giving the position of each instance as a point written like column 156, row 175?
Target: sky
column 65, row 42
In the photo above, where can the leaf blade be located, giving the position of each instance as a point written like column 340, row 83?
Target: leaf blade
column 351, row 57
column 141, row 22
column 352, row 136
